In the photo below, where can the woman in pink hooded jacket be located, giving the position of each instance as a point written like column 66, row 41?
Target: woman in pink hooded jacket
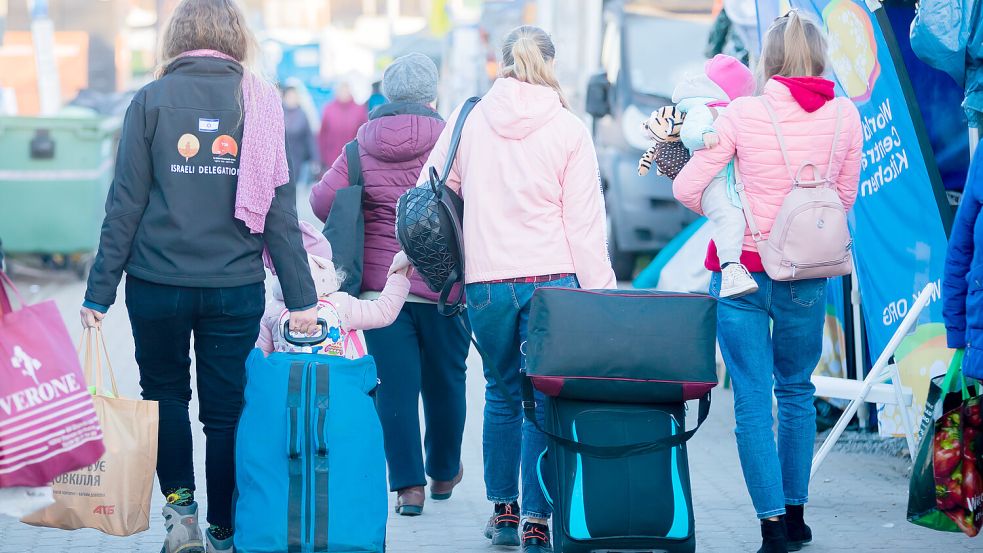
column 534, row 217
column 772, row 339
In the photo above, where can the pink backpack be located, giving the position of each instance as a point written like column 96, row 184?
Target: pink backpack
column 810, row 237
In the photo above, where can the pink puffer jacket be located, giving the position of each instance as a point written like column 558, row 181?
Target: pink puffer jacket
column 745, row 130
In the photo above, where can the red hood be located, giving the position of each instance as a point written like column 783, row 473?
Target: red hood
column 811, row 93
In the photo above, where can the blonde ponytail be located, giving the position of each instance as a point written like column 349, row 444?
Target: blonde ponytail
column 527, row 55
column 794, row 46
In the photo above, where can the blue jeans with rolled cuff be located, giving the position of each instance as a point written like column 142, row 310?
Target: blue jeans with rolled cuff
column 499, row 315
column 772, row 340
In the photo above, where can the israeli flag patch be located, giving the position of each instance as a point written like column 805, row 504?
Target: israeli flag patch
column 207, row 125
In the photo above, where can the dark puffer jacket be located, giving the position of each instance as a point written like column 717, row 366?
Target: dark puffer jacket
column 393, row 147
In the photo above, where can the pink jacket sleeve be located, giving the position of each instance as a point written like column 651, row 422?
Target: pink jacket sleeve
column 438, row 157
column 706, row 164
column 584, row 217
column 270, row 317
column 323, row 193
column 849, row 178
column 378, row 313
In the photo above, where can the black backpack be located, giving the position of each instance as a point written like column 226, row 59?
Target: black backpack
column 428, row 227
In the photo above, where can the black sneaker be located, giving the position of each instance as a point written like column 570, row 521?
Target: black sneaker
column 536, row 538
column 503, row 526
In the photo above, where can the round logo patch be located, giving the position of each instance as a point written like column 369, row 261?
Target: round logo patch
column 225, row 145
column 188, row 146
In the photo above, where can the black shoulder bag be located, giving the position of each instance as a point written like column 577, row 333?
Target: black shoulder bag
column 345, row 226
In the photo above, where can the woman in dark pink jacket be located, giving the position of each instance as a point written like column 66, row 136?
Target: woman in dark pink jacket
column 422, row 351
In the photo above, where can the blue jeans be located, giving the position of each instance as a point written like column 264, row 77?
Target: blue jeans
column 773, row 339
column 499, row 317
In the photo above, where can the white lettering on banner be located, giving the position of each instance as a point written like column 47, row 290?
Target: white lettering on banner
column 885, row 152
column 38, row 395
column 896, row 310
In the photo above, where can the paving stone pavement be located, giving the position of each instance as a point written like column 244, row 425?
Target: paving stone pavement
column 858, row 499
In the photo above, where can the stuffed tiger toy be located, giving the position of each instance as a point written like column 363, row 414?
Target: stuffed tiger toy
column 668, row 153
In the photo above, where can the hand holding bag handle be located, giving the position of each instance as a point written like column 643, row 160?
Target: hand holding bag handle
column 95, row 351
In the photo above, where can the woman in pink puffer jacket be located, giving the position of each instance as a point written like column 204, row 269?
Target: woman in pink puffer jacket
column 772, row 339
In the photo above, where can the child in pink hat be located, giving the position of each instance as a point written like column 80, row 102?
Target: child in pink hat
column 342, row 314
column 702, row 98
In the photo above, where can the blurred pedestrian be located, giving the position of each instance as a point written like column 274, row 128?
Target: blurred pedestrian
column 772, row 339
column 423, row 351
column 188, row 215
column 534, row 218
column 341, row 120
column 377, row 98
column 301, row 147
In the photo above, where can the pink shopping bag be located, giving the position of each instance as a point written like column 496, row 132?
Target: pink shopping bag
column 48, row 425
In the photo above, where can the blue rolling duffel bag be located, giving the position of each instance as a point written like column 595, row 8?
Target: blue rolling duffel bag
column 310, row 463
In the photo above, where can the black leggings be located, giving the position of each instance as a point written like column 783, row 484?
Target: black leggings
column 225, row 325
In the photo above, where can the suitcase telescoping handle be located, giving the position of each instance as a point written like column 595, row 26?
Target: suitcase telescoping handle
column 293, row 339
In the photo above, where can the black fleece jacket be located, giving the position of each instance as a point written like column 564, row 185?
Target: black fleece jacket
column 170, row 212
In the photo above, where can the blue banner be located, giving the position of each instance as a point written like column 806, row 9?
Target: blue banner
column 899, row 237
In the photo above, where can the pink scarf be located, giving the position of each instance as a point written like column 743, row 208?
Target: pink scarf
column 263, row 161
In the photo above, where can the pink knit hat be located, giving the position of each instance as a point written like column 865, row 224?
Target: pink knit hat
column 314, row 242
column 730, row 75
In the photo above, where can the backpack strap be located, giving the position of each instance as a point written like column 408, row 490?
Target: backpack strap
column 836, row 139
column 778, row 135
column 752, row 223
column 456, row 135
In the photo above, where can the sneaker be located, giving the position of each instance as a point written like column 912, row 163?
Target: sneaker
column 736, row 281
column 503, row 526
column 183, row 533
column 215, row 545
column 536, row 538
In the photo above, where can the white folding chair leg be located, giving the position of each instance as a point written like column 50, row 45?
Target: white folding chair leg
column 905, row 408
column 876, row 375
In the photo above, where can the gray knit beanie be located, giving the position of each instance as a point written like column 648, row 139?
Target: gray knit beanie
column 411, row 78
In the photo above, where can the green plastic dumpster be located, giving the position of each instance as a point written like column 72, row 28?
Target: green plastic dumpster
column 55, row 173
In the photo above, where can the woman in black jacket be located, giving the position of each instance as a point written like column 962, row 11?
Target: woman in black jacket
column 199, row 190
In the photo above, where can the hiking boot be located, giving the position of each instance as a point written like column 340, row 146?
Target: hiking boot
column 736, row 281
column 183, row 533
column 503, row 526
column 442, row 489
column 536, row 538
column 215, row 545
column 409, row 501
column 774, row 537
column 798, row 531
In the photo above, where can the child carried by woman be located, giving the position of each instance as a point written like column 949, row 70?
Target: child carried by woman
column 699, row 100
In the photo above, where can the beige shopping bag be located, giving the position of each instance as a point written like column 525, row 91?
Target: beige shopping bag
column 112, row 495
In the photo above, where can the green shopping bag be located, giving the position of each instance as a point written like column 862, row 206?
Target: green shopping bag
column 946, row 490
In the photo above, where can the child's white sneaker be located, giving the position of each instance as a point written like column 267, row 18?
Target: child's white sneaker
column 736, row 281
